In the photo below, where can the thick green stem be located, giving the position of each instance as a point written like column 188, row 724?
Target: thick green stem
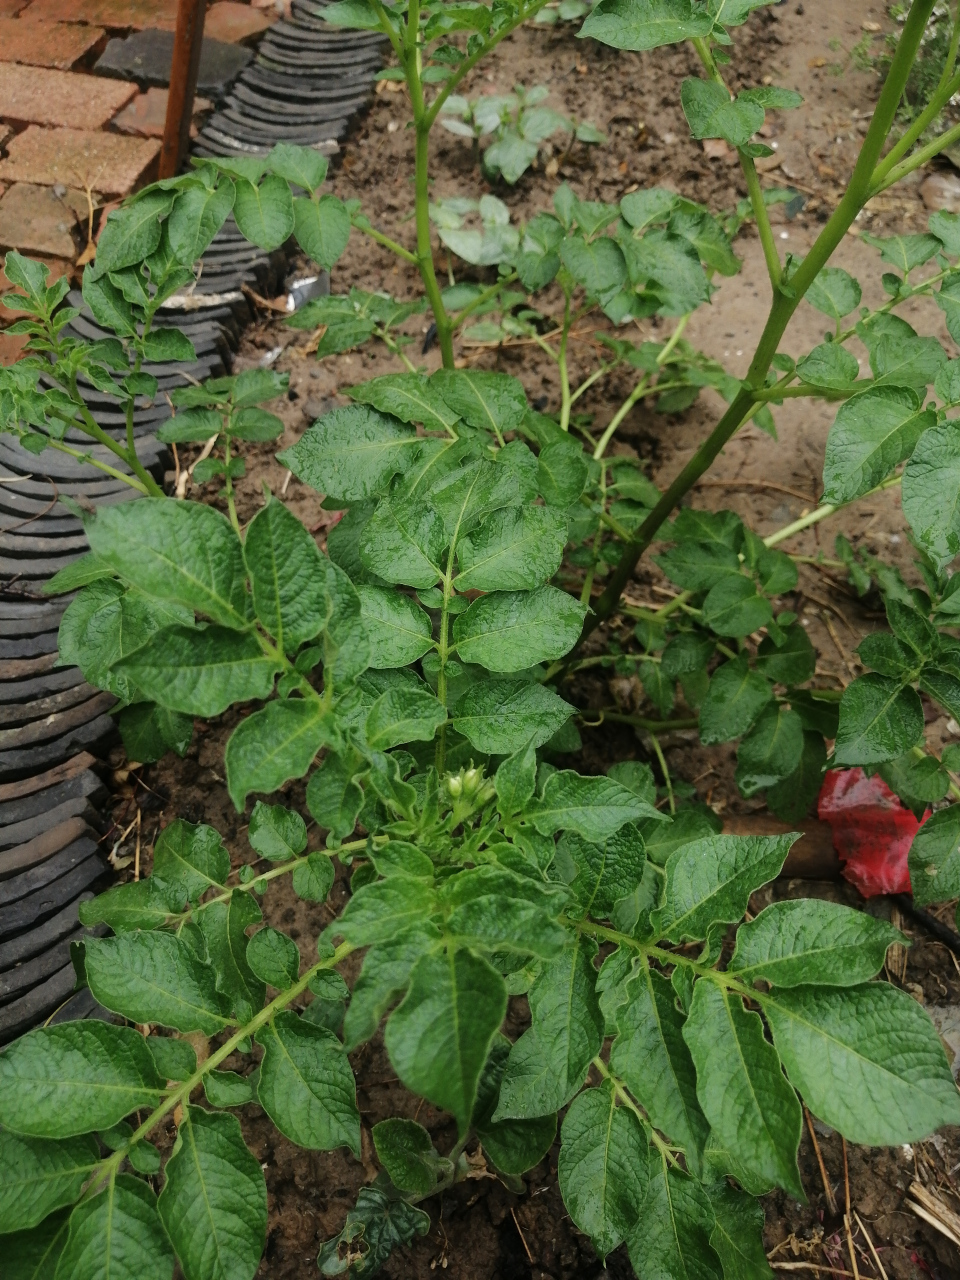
column 821, row 513
column 101, row 466
column 368, row 230
column 228, row 486
column 754, row 190
column 917, row 159
column 562, row 364
column 781, row 311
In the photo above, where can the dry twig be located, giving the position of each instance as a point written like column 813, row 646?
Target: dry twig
column 827, row 1188
column 873, row 1253
column 931, row 1209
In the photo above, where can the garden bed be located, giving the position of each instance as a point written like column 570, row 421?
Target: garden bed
column 481, row 1230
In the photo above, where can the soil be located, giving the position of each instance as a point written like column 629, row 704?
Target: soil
column 481, row 1230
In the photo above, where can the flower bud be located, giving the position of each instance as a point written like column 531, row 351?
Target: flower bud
column 454, row 785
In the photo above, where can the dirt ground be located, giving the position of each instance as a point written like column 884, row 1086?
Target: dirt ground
column 481, row 1230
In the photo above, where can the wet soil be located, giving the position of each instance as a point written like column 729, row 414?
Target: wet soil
column 481, row 1230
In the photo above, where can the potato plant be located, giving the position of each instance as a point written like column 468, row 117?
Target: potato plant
column 414, row 675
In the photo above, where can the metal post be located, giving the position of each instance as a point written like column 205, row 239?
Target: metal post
column 183, row 85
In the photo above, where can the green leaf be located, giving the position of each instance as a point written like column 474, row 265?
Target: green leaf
column 515, row 779
column 513, row 550
column 322, row 228
column 645, row 24
column 872, row 433
column 943, row 686
column 549, row 1062
column 605, row 873
column 514, row 1146
column 384, row 976
column 834, row 292
column 931, row 492
column 561, row 474
column 711, row 114
column 398, row 629
column 346, row 647
column 651, row 1056
column 274, row 958
column 189, row 859
column 182, row 552
column 603, row 1167
column 736, row 697
column 131, row 233
column 487, row 401
column 33, row 1255
column 793, row 662
column 598, row 265
column 879, row 720
column 594, row 807
column 905, row 252
column 771, row 751
column 264, row 213
column 733, row 608
column 463, row 497
column 352, row 453
column 866, row 1060
column 303, row 166
column 907, row 362
column 306, row 1085
column 288, row 577
column 77, row 1077
column 197, row 216
column 749, row 1105
column 829, row 365
column 409, row 397
column 276, row 833
column 934, row 859
column 439, row 1036
column 276, row 744
column 698, row 566
column 406, row 1152
column 313, row 879
column 403, row 541
column 403, row 715
column 149, row 732
column 710, row 880
column 671, row 1240
column 224, row 927
column 381, row 911
column 175, row 1059
column 333, row 797
column 493, row 908
column 138, row 904
column 201, row 672
column 40, row 1175
column 168, row 344
column 377, row 1224
column 790, row 944
column 512, row 630
column 155, row 977
column 191, row 426
column 117, row 1235
column 228, row 1089
column 738, row 1235
column 791, row 799
column 499, row 717
column 214, row 1199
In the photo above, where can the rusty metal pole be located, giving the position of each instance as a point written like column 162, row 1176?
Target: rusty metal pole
column 183, row 85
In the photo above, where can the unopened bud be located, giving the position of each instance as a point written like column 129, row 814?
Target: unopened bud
column 471, row 780
column 454, row 785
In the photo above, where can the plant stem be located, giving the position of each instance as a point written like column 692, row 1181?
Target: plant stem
column 387, row 243
column 565, row 401
column 105, row 467
column 917, row 159
column 781, row 311
column 228, row 486
column 821, row 513
column 181, row 1095
column 651, row 726
column 458, row 318
column 624, row 1097
column 638, row 392
column 754, row 190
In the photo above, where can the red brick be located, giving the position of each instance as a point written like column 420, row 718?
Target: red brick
column 112, row 165
column 36, row 220
column 35, row 95
column 235, row 23
column 47, row 44
column 112, row 14
column 10, row 8
column 147, row 113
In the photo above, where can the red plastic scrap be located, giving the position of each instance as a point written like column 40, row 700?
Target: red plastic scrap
column 872, row 831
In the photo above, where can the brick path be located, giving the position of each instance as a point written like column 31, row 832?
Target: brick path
column 69, row 137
